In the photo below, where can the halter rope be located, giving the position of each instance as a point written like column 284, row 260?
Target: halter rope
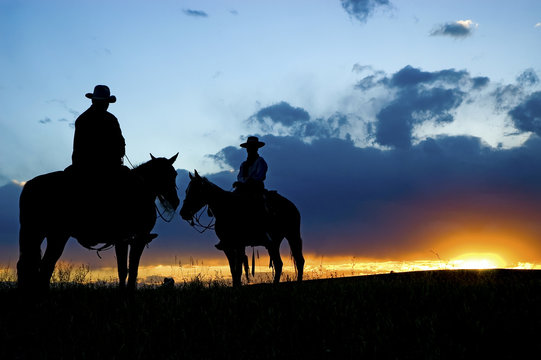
column 195, row 222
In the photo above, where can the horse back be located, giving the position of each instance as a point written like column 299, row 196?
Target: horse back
column 282, row 207
column 41, row 194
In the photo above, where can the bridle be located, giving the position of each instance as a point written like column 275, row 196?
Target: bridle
column 195, row 222
column 160, row 198
column 160, row 213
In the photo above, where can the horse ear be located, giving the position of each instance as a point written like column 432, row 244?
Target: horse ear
column 191, row 176
column 173, row 159
column 152, row 157
column 196, row 174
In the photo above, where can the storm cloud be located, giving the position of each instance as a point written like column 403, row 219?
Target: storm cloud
column 417, row 96
column 397, row 195
column 374, row 202
column 527, row 115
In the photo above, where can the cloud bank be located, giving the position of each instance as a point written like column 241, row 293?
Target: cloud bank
column 397, row 195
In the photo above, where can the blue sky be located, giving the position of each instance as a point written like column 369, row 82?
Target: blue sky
column 334, row 78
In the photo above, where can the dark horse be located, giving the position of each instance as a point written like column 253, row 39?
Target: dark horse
column 55, row 206
column 238, row 225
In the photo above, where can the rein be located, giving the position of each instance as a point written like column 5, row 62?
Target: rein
column 196, row 223
column 165, row 209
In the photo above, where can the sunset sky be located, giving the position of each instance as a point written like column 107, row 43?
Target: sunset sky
column 401, row 129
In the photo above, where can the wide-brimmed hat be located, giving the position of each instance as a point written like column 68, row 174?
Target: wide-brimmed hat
column 252, row 141
column 101, row 92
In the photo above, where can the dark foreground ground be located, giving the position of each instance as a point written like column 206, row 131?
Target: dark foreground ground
column 423, row 315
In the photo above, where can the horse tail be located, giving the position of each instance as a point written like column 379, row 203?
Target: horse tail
column 291, row 222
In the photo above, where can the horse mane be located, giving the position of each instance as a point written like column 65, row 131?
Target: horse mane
column 145, row 168
column 213, row 186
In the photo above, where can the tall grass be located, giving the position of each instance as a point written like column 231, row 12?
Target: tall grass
column 423, row 315
column 7, row 274
column 66, row 272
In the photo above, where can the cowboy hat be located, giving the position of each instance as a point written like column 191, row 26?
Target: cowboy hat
column 101, row 92
column 252, row 141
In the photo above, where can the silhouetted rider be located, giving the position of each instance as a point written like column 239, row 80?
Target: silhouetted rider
column 250, row 180
column 98, row 143
column 253, row 170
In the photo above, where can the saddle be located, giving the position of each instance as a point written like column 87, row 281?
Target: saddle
column 101, row 205
column 262, row 213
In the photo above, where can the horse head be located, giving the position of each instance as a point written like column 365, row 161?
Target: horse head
column 195, row 196
column 163, row 181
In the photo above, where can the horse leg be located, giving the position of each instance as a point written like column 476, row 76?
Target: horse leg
column 235, row 265
column 136, row 250
column 121, row 251
column 246, row 267
column 55, row 247
column 295, row 244
column 274, row 253
column 29, row 258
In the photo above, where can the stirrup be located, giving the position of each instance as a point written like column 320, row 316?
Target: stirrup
column 151, row 237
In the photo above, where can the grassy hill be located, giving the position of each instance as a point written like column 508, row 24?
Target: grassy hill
column 420, row 315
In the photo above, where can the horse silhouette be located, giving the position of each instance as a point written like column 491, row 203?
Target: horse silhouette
column 122, row 214
column 238, row 225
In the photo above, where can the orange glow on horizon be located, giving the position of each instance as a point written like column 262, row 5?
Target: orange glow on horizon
column 479, row 261
column 316, row 267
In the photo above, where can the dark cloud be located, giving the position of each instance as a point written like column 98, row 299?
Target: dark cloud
column 407, row 99
column 505, row 96
column 528, row 78
column 480, row 82
column 365, row 202
column 420, row 96
column 195, row 13
column 281, row 113
column 410, row 76
column 361, row 200
column 363, row 9
column 284, row 119
column 384, row 202
column 370, row 81
column 457, row 29
column 527, row 115
column 508, row 96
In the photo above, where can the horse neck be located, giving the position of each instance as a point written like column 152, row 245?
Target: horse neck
column 144, row 174
column 217, row 199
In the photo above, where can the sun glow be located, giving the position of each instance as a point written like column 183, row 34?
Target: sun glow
column 18, row 183
column 478, row 261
